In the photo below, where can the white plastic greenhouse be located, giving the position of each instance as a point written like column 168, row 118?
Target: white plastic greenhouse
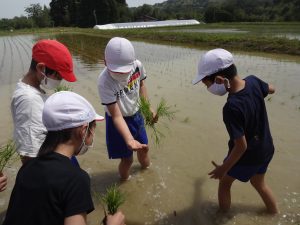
column 131, row 25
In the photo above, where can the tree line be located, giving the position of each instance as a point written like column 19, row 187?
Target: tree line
column 87, row 13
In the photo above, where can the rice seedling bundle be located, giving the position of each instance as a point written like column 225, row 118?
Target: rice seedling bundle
column 162, row 111
column 113, row 199
column 7, row 152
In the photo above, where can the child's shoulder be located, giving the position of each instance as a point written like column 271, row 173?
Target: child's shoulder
column 138, row 63
column 104, row 77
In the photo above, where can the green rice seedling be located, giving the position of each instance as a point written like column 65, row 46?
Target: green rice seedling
column 162, row 111
column 113, row 199
column 63, row 87
column 7, row 152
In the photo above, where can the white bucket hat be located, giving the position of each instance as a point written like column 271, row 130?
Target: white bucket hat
column 119, row 55
column 66, row 109
column 213, row 61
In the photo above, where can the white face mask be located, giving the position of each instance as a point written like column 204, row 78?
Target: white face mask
column 84, row 147
column 49, row 83
column 121, row 78
column 218, row 89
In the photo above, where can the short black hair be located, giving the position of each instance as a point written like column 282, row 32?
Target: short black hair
column 229, row 73
column 54, row 138
column 33, row 67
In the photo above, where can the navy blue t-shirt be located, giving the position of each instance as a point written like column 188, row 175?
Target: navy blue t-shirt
column 245, row 114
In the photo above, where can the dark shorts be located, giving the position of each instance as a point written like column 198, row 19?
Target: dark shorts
column 116, row 145
column 244, row 173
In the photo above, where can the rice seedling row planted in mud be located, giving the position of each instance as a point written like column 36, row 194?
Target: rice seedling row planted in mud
column 63, row 87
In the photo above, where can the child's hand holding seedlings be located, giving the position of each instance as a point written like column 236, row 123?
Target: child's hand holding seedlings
column 117, row 219
column 154, row 116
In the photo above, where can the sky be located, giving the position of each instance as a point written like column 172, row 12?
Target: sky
column 12, row 8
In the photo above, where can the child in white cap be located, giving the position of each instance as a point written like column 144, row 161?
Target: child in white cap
column 49, row 189
column 244, row 114
column 120, row 86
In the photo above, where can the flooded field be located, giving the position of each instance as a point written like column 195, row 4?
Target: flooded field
column 176, row 188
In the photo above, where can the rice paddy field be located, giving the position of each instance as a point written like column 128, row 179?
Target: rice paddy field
column 176, row 188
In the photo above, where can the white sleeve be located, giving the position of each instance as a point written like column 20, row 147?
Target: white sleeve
column 106, row 90
column 29, row 132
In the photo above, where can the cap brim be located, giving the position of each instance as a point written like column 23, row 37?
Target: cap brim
column 198, row 79
column 68, row 76
column 119, row 68
column 99, row 118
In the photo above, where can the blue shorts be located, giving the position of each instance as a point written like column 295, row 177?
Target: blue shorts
column 116, row 145
column 244, row 173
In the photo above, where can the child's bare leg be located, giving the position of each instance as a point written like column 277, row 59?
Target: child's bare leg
column 143, row 158
column 124, row 167
column 258, row 182
column 224, row 193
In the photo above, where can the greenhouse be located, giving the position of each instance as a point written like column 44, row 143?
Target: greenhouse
column 165, row 23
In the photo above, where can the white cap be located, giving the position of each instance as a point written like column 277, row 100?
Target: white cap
column 213, row 61
column 119, row 55
column 66, row 109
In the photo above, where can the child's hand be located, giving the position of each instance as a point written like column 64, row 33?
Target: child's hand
column 154, row 117
column 218, row 172
column 117, row 219
column 134, row 145
column 3, row 181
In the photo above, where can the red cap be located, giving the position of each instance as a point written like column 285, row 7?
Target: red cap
column 56, row 56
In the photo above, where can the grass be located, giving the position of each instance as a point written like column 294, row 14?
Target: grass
column 63, row 87
column 162, row 111
column 7, row 152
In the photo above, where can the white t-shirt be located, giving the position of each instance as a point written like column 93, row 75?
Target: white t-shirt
column 127, row 97
column 26, row 108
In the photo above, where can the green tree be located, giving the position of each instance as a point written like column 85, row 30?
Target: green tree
column 39, row 16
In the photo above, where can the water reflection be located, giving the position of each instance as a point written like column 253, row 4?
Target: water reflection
column 88, row 49
column 176, row 190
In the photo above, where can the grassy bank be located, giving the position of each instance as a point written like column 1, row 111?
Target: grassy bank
column 255, row 37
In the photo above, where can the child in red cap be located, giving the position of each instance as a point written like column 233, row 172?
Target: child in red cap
column 51, row 62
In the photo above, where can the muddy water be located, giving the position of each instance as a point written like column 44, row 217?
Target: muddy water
column 176, row 188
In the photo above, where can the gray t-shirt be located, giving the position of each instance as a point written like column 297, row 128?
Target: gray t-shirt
column 126, row 96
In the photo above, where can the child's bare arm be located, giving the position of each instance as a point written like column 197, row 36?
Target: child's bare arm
column 122, row 127
column 240, row 146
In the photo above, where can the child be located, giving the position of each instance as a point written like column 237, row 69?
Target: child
column 51, row 63
column 120, row 86
column 49, row 189
column 244, row 114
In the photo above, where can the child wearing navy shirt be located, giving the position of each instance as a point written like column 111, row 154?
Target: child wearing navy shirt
column 250, row 147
